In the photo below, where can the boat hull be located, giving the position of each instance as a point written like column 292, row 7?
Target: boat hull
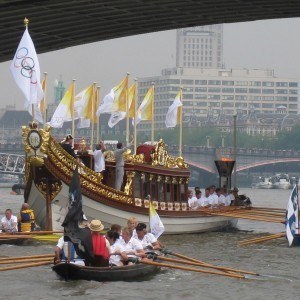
column 174, row 222
column 69, row 271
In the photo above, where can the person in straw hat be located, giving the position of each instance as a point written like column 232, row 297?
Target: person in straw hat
column 101, row 246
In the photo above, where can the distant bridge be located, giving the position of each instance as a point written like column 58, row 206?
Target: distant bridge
column 13, row 164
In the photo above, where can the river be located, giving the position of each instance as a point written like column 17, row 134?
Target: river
column 274, row 259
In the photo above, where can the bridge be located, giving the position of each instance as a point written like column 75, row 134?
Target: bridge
column 13, row 164
column 58, row 24
column 198, row 157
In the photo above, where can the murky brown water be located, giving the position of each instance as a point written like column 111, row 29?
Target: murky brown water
column 273, row 258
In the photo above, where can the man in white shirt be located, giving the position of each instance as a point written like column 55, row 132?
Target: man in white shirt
column 213, row 198
column 148, row 240
column 202, row 200
column 192, row 201
column 99, row 161
column 221, row 197
column 9, row 223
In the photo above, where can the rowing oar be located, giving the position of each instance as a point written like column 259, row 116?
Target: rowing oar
column 152, row 263
column 262, row 239
column 35, row 232
column 25, row 266
column 207, row 265
column 26, row 257
column 12, row 261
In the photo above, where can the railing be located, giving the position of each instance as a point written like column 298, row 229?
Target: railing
column 12, row 163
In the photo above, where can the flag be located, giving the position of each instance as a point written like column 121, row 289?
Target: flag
column 156, row 226
column 292, row 221
column 115, row 100
column 80, row 237
column 131, row 100
column 144, row 112
column 117, row 116
column 64, row 111
column 83, row 104
column 25, row 69
column 173, row 116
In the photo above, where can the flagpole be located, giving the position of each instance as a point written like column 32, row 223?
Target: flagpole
column 135, row 111
column 44, row 101
column 180, row 125
column 26, row 22
column 152, row 121
column 98, row 120
column 72, row 111
column 92, row 119
column 127, row 112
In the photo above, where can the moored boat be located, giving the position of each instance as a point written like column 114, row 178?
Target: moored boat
column 282, row 181
column 263, row 183
column 71, row 271
column 150, row 173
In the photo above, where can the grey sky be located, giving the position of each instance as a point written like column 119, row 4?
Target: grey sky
column 272, row 44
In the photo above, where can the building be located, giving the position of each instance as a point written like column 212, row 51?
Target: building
column 200, row 47
column 220, row 91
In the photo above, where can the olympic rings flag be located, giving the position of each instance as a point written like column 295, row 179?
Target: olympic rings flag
column 25, row 69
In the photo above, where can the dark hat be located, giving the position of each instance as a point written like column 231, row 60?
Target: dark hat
column 69, row 137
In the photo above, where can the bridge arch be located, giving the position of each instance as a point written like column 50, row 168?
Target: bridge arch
column 58, row 24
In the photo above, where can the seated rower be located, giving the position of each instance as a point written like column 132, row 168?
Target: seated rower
column 65, row 251
column 131, row 224
column 133, row 247
column 9, row 222
column 221, row 197
column 148, row 240
column 202, row 201
column 192, row 201
column 118, row 229
column 26, row 221
column 101, row 246
column 118, row 254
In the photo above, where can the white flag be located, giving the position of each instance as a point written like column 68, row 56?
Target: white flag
column 156, row 226
column 292, row 221
column 172, row 114
column 115, row 118
column 108, row 105
column 25, row 69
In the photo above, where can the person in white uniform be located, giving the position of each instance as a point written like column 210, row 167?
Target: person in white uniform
column 192, row 200
column 9, row 223
column 99, row 161
column 148, row 240
column 117, row 251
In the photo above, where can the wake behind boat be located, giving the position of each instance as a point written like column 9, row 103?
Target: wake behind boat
column 153, row 172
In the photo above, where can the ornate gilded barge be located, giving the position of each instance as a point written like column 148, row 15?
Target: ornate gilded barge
column 153, row 174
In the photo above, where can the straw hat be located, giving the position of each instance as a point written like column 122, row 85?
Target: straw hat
column 96, row 225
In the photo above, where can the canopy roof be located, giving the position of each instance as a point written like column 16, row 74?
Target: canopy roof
column 58, row 24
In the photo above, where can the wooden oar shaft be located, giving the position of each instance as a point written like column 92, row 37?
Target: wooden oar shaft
column 25, row 266
column 35, row 232
column 249, row 218
column 11, row 261
column 264, row 237
column 261, row 240
column 190, row 269
column 225, row 269
column 14, row 237
column 206, row 265
column 26, row 257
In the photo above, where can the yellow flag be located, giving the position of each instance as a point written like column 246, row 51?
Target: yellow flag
column 64, row 111
column 120, row 92
column 144, row 112
column 131, row 100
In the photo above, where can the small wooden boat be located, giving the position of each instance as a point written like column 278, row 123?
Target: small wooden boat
column 71, row 271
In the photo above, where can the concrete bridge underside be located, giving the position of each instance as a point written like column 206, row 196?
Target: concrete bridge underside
column 58, row 24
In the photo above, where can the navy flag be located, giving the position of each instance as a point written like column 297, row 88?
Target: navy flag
column 292, row 221
column 80, row 237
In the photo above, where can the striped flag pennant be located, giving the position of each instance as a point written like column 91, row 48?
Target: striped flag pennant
column 292, row 221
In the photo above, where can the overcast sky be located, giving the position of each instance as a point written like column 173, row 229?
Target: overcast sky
column 272, row 44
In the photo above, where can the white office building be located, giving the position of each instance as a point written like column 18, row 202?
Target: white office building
column 200, row 47
column 212, row 91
